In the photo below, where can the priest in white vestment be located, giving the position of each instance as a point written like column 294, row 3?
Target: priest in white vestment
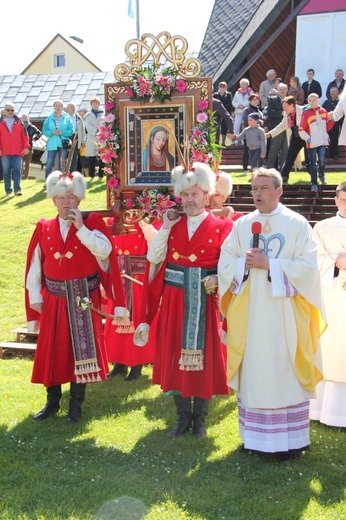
column 330, row 234
column 272, row 298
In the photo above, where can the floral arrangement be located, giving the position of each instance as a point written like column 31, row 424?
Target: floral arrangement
column 151, row 84
column 108, row 142
column 153, row 202
column 202, row 143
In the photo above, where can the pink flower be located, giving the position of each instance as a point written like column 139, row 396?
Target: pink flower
column 198, row 156
column 145, row 201
column 181, row 85
column 178, row 200
column 112, row 182
column 107, row 155
column 109, row 118
column 202, row 117
column 203, row 104
column 162, row 81
column 163, row 204
column 108, row 170
column 129, row 203
column 104, row 133
column 109, row 106
column 129, row 92
column 143, row 85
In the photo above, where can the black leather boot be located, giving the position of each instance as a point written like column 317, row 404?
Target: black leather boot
column 200, row 412
column 52, row 405
column 77, row 393
column 135, row 373
column 183, row 405
column 118, row 368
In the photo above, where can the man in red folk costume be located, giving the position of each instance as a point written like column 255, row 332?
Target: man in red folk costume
column 188, row 358
column 68, row 258
column 131, row 250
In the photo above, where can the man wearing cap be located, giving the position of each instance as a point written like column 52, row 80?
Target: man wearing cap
column 188, row 359
column 68, row 258
column 271, row 296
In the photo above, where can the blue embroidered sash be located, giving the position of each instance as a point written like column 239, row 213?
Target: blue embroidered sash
column 190, row 280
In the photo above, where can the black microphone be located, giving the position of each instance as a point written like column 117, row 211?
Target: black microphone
column 256, row 230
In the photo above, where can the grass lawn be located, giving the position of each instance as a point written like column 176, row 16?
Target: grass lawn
column 116, row 463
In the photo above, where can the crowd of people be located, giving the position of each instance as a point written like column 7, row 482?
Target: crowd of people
column 297, row 127
column 63, row 127
column 216, row 302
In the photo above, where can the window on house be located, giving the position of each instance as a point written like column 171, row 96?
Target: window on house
column 59, row 60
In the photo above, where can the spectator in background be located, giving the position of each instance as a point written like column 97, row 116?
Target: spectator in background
column 337, row 114
column 79, row 132
column 311, row 86
column 313, row 128
column 92, row 122
column 58, row 128
column 253, row 108
column 84, row 162
column 266, row 86
column 3, row 112
column 278, row 145
column 222, row 116
column 14, row 143
column 240, row 102
column 338, row 82
column 34, row 134
column 296, row 90
column 290, row 124
column 330, row 105
column 226, row 99
column 255, row 139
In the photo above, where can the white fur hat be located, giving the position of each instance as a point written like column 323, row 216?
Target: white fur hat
column 58, row 184
column 223, row 184
column 200, row 174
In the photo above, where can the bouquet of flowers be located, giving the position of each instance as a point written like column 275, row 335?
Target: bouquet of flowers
column 155, row 202
column 108, row 142
column 202, row 144
column 152, row 84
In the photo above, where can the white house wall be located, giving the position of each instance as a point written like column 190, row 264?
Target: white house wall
column 320, row 45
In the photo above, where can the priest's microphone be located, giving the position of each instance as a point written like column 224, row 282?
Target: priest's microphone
column 256, row 230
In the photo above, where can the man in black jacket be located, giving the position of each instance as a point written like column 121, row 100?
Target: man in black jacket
column 330, row 105
column 34, row 134
column 338, row 82
column 311, row 86
column 226, row 99
column 278, row 146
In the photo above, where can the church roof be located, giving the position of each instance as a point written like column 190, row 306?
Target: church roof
column 237, row 30
column 35, row 94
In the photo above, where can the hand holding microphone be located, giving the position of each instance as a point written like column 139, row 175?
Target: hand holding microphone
column 255, row 258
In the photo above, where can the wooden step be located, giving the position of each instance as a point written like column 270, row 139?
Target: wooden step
column 17, row 346
column 22, row 334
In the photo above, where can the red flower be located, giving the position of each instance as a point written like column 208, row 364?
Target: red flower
column 203, row 104
column 129, row 92
column 181, row 85
column 113, row 182
column 163, row 204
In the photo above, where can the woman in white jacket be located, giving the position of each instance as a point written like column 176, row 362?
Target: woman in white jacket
column 240, row 102
column 92, row 121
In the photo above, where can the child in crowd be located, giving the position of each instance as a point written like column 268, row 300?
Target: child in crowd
column 255, row 140
column 314, row 127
